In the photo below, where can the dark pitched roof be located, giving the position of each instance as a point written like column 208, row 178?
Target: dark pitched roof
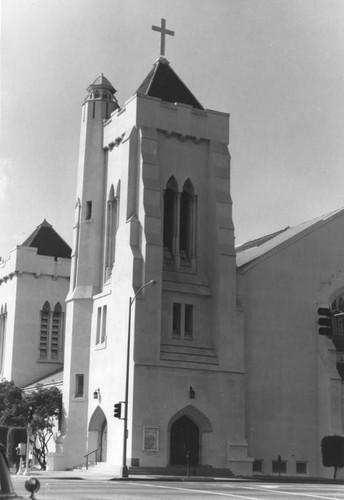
column 48, row 242
column 164, row 83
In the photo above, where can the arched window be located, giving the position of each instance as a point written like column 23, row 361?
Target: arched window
column 186, row 221
column 112, row 218
column 51, row 333
column 56, row 331
column 170, row 206
column 179, row 235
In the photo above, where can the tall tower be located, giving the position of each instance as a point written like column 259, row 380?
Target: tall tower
column 153, row 203
column 87, row 261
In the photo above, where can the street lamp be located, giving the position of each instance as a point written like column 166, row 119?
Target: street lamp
column 125, row 433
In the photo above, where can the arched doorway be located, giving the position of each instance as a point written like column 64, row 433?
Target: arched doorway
column 97, row 436
column 185, row 442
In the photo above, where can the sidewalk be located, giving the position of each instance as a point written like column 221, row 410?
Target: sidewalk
column 98, row 475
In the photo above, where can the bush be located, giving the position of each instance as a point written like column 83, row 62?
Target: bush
column 3, row 435
column 332, row 450
column 15, row 436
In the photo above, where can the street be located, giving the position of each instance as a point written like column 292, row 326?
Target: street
column 57, row 489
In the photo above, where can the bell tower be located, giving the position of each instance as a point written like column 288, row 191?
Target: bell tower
column 87, row 261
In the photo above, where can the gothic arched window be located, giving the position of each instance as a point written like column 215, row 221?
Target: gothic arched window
column 179, row 235
column 170, row 206
column 51, row 333
column 112, row 218
column 186, row 222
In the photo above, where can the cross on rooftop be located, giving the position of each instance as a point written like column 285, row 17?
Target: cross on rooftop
column 163, row 32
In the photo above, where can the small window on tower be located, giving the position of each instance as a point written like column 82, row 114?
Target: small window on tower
column 177, row 309
column 79, row 385
column 88, row 210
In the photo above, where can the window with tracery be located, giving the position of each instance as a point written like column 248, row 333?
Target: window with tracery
column 179, row 233
column 51, row 333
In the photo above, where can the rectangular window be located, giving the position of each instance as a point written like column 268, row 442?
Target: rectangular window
column 88, row 210
column 188, row 320
column 43, row 343
column 79, row 385
column 177, row 310
column 104, row 323
column 301, row 467
column 99, row 319
column 279, row 467
column 257, row 466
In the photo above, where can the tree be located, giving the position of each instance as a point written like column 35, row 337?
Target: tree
column 46, row 412
column 332, row 450
column 12, row 405
column 45, row 403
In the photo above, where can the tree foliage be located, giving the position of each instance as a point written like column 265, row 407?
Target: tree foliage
column 12, row 405
column 332, row 450
column 46, row 406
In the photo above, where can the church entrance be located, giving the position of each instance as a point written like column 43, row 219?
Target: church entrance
column 185, row 438
column 97, row 436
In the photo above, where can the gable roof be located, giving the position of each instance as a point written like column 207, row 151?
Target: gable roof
column 256, row 249
column 162, row 82
column 48, row 242
column 55, row 379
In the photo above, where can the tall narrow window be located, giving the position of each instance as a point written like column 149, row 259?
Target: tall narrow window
column 44, row 333
column 112, row 217
column 99, row 320
column 56, row 331
column 188, row 321
column 104, row 324
column 170, row 207
column 51, row 333
column 3, row 321
column 79, row 385
column 179, row 235
column 177, row 312
column 187, row 223
column 88, row 215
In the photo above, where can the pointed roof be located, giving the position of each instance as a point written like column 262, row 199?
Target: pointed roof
column 256, row 249
column 162, row 82
column 101, row 83
column 48, row 242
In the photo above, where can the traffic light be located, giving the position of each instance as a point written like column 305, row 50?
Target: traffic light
column 117, row 410
column 30, row 414
column 325, row 322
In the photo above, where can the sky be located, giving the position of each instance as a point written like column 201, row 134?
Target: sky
column 276, row 66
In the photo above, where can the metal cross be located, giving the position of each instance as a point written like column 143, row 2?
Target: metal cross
column 163, row 32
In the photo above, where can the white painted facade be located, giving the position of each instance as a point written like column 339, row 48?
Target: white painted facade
column 126, row 166
column 294, row 391
column 27, row 282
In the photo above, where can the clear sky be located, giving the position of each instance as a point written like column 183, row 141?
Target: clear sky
column 277, row 66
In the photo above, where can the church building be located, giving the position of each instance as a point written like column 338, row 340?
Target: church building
column 34, row 282
column 154, row 213
column 181, row 352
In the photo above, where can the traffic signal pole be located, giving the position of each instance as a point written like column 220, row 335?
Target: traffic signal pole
column 124, row 470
